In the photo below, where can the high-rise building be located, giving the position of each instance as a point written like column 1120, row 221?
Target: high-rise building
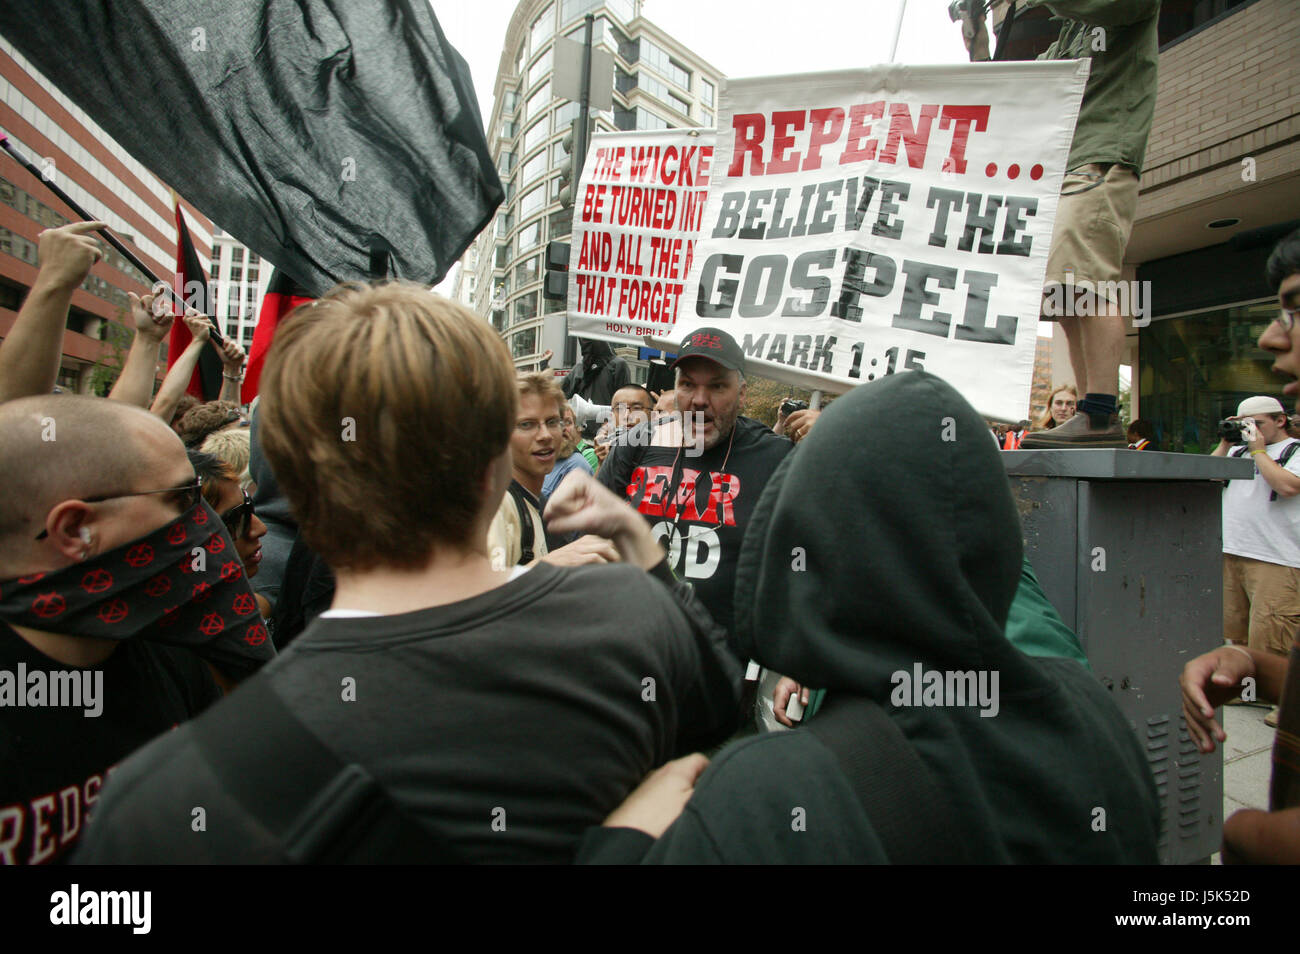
column 238, row 279
column 74, row 152
column 657, row 84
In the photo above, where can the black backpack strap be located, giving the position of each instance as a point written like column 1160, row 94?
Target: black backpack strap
column 907, row 810
column 318, row 808
column 526, row 531
column 1287, row 453
column 1237, row 451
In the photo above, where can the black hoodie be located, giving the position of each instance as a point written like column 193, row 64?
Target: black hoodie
column 901, row 509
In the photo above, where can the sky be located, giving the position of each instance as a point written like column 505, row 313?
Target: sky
column 739, row 37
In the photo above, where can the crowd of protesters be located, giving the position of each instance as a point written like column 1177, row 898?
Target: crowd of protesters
column 518, row 670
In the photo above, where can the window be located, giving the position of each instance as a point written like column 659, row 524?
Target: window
column 572, row 9
column 552, row 305
column 648, row 120
column 533, row 168
column 505, row 222
column 238, row 256
column 543, row 28
column 658, row 59
column 536, row 135
column 526, row 307
column 540, row 68
column 706, row 118
column 510, row 190
column 561, row 223
column 524, row 343
column 534, row 200
column 236, row 273
column 506, row 165
column 624, row 81
column 251, row 274
column 566, row 114
column 509, row 102
column 681, row 105
column 503, row 256
column 706, row 92
column 216, row 266
column 526, row 272
column 537, row 102
column 529, row 236
column 509, row 129
column 499, row 319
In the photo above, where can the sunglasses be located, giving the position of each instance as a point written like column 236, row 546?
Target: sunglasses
column 238, row 519
column 1288, row 318
column 187, row 495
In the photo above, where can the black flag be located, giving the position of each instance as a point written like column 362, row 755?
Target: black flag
column 308, row 129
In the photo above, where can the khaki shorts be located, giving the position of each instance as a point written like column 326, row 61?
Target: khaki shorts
column 1261, row 604
column 1094, row 220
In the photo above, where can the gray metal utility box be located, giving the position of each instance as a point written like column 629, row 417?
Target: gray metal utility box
column 1128, row 546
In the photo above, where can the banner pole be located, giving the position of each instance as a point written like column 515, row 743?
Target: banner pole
column 898, row 30
column 215, row 334
column 815, row 402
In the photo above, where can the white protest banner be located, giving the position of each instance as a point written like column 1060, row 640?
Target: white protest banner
column 871, row 221
column 637, row 214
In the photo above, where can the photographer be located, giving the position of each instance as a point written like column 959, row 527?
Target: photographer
column 1261, row 531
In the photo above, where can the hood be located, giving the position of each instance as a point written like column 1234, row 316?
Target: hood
column 888, row 538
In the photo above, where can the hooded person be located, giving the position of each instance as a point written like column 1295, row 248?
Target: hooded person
column 598, row 375
column 887, row 606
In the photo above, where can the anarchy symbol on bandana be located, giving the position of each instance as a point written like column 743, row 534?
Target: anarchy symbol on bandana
column 30, row 579
column 200, row 517
column 139, row 555
column 176, row 534
column 255, row 635
column 201, row 592
column 244, row 604
column 97, row 580
column 48, row 605
column 216, row 545
column 114, row 611
column 212, row 624
column 170, row 616
column 158, row 585
column 231, row 570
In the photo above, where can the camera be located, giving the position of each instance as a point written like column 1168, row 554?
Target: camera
column 1230, row 431
column 966, row 9
column 790, row 405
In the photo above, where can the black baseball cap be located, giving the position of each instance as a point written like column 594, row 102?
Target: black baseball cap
column 714, row 344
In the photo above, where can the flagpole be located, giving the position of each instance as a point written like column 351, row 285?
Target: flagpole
column 217, row 338
column 898, row 30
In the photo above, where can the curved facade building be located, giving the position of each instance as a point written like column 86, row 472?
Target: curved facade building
column 657, row 84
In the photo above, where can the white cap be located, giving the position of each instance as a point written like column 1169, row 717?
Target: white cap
column 1259, row 405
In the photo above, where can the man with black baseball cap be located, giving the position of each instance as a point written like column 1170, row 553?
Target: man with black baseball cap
column 697, row 476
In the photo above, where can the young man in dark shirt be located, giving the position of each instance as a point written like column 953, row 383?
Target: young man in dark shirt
column 435, row 672
column 696, row 478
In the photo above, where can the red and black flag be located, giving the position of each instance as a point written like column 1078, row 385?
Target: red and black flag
column 192, row 288
column 312, row 130
column 282, row 296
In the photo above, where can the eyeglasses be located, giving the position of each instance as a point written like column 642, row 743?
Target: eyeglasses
column 527, row 427
column 1288, row 318
column 187, row 495
column 238, row 519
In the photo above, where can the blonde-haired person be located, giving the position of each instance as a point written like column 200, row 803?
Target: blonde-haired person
column 517, row 536
column 231, row 446
column 502, row 709
column 1060, row 408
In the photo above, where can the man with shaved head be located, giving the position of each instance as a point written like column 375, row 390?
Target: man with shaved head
column 101, row 532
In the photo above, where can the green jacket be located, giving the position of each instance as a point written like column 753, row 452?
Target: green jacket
column 1120, row 101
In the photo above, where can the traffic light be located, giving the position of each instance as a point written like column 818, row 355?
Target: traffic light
column 571, row 169
column 556, row 284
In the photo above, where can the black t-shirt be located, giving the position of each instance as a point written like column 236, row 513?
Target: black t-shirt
column 697, row 502
column 508, row 722
column 55, row 759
